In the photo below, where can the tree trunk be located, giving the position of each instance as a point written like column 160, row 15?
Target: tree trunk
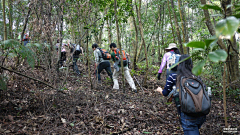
column 136, row 40
column 170, row 15
column 233, row 68
column 162, row 27
column 182, row 16
column 143, row 41
column 177, row 27
column 158, row 35
column 118, row 40
column 4, row 22
column 10, row 19
column 211, row 27
column 109, row 32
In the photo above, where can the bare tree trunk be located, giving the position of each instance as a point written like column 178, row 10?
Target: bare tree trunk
column 118, row 40
column 162, row 27
column 170, row 15
column 177, row 27
column 4, row 21
column 143, row 41
column 109, row 32
column 10, row 19
column 158, row 35
column 135, row 42
column 181, row 12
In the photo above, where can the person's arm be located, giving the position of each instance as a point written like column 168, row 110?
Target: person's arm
column 164, row 61
column 82, row 50
column 171, row 81
column 96, row 57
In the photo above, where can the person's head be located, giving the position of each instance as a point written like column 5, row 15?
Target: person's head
column 113, row 46
column 94, row 46
column 171, row 46
column 185, row 67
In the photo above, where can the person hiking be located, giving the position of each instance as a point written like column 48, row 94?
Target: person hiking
column 25, row 39
column 63, row 52
column 172, row 49
column 101, row 63
column 190, row 124
column 76, row 50
column 115, row 55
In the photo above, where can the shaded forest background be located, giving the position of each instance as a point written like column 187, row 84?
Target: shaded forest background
column 36, row 97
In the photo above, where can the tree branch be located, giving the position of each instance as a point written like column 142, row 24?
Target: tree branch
column 4, row 68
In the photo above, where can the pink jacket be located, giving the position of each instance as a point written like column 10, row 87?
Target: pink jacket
column 164, row 61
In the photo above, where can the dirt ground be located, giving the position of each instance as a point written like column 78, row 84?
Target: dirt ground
column 29, row 107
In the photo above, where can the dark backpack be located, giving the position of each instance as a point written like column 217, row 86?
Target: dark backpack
column 124, row 56
column 173, row 59
column 194, row 99
column 105, row 54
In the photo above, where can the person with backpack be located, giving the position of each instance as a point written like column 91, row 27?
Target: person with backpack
column 101, row 62
column 116, row 57
column 170, row 58
column 191, row 98
column 76, row 50
column 63, row 52
column 25, row 39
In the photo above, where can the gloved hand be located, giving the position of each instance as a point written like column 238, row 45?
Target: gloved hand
column 159, row 76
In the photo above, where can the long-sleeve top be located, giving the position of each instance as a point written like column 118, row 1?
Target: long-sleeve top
column 98, row 56
column 171, row 81
column 164, row 61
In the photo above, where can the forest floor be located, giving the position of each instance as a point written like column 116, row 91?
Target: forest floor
column 30, row 107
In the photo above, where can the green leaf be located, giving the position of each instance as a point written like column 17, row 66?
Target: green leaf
column 209, row 41
column 196, row 44
column 215, row 7
column 197, row 70
column 227, row 27
column 198, row 49
column 72, row 124
column 218, row 55
column 147, row 132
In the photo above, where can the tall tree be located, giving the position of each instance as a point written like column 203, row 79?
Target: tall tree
column 170, row 15
column 177, row 27
column 184, row 33
column 10, row 19
column 143, row 41
column 4, row 21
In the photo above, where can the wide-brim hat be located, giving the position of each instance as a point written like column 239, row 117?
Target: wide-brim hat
column 171, row 46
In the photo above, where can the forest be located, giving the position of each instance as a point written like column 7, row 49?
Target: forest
column 43, row 91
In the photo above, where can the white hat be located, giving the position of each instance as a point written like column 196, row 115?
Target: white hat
column 171, row 46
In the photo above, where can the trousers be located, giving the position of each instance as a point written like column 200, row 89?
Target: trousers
column 127, row 76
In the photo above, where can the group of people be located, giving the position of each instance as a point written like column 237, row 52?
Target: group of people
column 101, row 63
column 190, row 124
column 75, row 50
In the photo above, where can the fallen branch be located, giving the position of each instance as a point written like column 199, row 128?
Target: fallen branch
column 4, row 68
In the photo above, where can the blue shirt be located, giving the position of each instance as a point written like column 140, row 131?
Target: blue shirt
column 171, row 81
